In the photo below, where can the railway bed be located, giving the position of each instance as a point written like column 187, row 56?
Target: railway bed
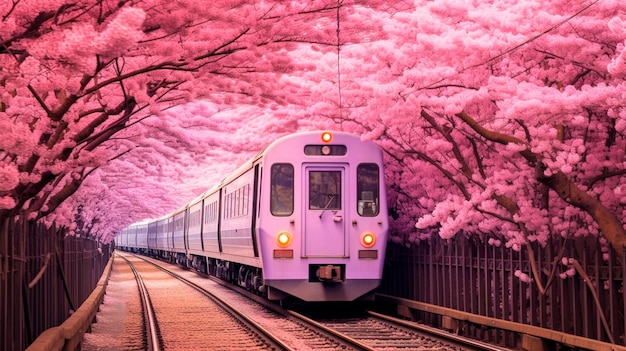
column 185, row 322
column 182, row 316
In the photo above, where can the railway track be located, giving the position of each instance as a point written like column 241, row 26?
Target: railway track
column 293, row 334
column 374, row 331
column 151, row 341
column 295, row 331
column 187, row 316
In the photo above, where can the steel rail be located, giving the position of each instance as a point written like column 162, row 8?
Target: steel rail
column 439, row 333
column 353, row 342
column 425, row 330
column 152, row 337
column 274, row 341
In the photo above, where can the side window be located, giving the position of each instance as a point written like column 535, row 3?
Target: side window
column 281, row 192
column 367, row 189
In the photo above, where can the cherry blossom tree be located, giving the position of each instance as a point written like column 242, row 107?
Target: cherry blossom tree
column 87, row 84
column 501, row 119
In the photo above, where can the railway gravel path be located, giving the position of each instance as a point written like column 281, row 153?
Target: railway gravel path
column 193, row 323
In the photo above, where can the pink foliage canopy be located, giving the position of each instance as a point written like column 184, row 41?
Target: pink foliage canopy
column 500, row 119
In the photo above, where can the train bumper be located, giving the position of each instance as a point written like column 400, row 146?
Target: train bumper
column 348, row 290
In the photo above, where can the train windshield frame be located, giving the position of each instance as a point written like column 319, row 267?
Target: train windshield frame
column 325, row 190
column 281, row 189
column 368, row 189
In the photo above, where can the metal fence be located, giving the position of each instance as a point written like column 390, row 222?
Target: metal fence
column 44, row 277
column 583, row 291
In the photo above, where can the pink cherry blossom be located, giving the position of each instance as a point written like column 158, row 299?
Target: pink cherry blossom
column 497, row 117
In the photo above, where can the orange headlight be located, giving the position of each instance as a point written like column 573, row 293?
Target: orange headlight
column 368, row 239
column 327, row 137
column 283, row 239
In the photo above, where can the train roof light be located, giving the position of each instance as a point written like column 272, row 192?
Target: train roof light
column 368, row 239
column 283, row 239
column 327, row 137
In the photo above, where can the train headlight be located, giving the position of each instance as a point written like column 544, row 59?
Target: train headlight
column 327, row 137
column 368, row 239
column 326, row 150
column 283, row 239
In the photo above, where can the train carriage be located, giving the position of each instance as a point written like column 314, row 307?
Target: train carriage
column 141, row 237
column 305, row 218
column 211, row 212
column 194, row 228
column 236, row 227
column 131, row 238
column 161, row 242
column 152, row 237
column 323, row 219
column 121, row 239
column 178, row 249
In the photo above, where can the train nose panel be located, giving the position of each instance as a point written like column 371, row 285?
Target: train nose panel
column 324, row 233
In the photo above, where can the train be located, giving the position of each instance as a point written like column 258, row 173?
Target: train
column 306, row 218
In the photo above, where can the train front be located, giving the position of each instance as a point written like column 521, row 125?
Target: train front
column 323, row 221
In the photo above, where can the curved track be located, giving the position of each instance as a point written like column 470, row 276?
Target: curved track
column 290, row 332
column 378, row 332
column 373, row 331
column 187, row 316
column 294, row 331
column 152, row 340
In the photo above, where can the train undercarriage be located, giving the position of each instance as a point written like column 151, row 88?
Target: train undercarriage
column 247, row 277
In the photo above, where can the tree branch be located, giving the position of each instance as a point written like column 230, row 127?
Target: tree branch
column 610, row 225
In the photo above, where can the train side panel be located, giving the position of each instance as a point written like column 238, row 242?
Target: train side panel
column 194, row 229
column 161, row 236
column 210, row 224
column 132, row 238
column 152, row 237
column 169, row 233
column 121, row 240
column 178, row 232
column 141, row 237
column 236, row 218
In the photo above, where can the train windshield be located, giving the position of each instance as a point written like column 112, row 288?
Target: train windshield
column 367, row 187
column 281, row 193
column 325, row 190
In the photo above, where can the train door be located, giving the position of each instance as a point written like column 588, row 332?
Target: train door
column 324, row 204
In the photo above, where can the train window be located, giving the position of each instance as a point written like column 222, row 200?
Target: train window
column 246, row 199
column 236, row 202
column 179, row 223
column 367, row 189
column 325, row 190
column 281, row 193
column 210, row 213
column 194, row 218
column 226, row 206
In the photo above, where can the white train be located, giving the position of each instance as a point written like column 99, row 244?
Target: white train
column 305, row 218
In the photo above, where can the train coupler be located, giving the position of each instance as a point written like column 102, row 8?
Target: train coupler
column 329, row 273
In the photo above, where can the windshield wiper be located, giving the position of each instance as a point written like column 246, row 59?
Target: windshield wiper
column 327, row 204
